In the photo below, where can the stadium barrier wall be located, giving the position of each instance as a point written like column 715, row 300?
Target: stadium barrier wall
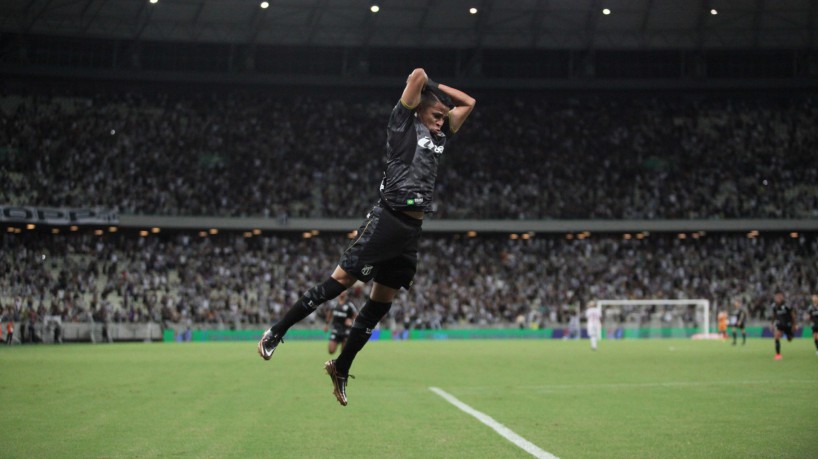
column 98, row 332
column 44, row 332
column 450, row 225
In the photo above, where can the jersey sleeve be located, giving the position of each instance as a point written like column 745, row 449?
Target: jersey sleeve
column 401, row 134
column 401, row 117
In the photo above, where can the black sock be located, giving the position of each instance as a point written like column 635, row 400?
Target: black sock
column 356, row 340
column 816, row 343
column 735, row 336
column 743, row 337
column 368, row 318
column 777, row 346
column 307, row 304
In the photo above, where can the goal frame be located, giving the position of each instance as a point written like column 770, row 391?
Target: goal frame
column 705, row 326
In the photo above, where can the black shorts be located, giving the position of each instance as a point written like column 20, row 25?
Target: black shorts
column 785, row 329
column 385, row 249
column 738, row 325
column 814, row 328
column 339, row 334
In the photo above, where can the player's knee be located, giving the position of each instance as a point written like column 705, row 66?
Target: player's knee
column 322, row 293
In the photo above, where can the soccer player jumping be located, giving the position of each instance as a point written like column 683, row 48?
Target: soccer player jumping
column 386, row 246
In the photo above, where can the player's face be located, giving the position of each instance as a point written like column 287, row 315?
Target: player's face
column 432, row 116
column 815, row 300
column 779, row 298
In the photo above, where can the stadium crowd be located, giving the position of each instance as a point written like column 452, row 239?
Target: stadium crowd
column 541, row 157
column 238, row 282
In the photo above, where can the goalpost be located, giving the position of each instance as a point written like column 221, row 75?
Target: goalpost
column 700, row 304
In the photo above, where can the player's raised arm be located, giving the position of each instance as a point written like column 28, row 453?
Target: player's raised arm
column 463, row 105
column 414, row 85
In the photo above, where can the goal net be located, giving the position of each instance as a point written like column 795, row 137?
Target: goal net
column 656, row 318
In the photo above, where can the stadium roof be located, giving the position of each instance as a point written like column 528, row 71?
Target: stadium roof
column 546, row 24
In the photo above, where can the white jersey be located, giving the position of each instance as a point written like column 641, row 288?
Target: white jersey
column 594, row 316
column 594, row 326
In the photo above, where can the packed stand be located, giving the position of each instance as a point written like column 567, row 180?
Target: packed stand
column 519, row 157
column 230, row 281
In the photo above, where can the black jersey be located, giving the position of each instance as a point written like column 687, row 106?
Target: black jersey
column 341, row 312
column 412, row 154
column 739, row 317
column 782, row 313
column 813, row 316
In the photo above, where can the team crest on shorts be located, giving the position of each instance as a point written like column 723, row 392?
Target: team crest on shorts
column 366, row 270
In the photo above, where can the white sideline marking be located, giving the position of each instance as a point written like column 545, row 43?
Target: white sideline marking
column 507, row 433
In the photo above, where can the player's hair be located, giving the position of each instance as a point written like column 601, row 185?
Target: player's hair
column 430, row 96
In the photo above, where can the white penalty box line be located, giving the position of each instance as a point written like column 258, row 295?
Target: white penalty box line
column 504, row 431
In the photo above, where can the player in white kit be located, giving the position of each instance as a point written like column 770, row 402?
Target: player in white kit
column 594, row 316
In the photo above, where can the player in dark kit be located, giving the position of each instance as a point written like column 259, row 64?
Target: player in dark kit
column 785, row 323
column 738, row 321
column 813, row 316
column 340, row 318
column 386, row 246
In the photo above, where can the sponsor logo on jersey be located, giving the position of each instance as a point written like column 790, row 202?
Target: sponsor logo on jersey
column 427, row 144
column 366, row 270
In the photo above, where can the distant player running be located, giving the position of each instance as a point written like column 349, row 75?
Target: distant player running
column 594, row 325
column 386, row 246
column 785, row 322
column 813, row 316
column 339, row 318
column 738, row 321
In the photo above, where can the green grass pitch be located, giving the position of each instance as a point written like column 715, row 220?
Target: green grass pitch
column 639, row 398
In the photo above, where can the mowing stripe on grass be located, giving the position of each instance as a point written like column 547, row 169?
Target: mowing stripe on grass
column 646, row 385
column 507, row 433
column 665, row 384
